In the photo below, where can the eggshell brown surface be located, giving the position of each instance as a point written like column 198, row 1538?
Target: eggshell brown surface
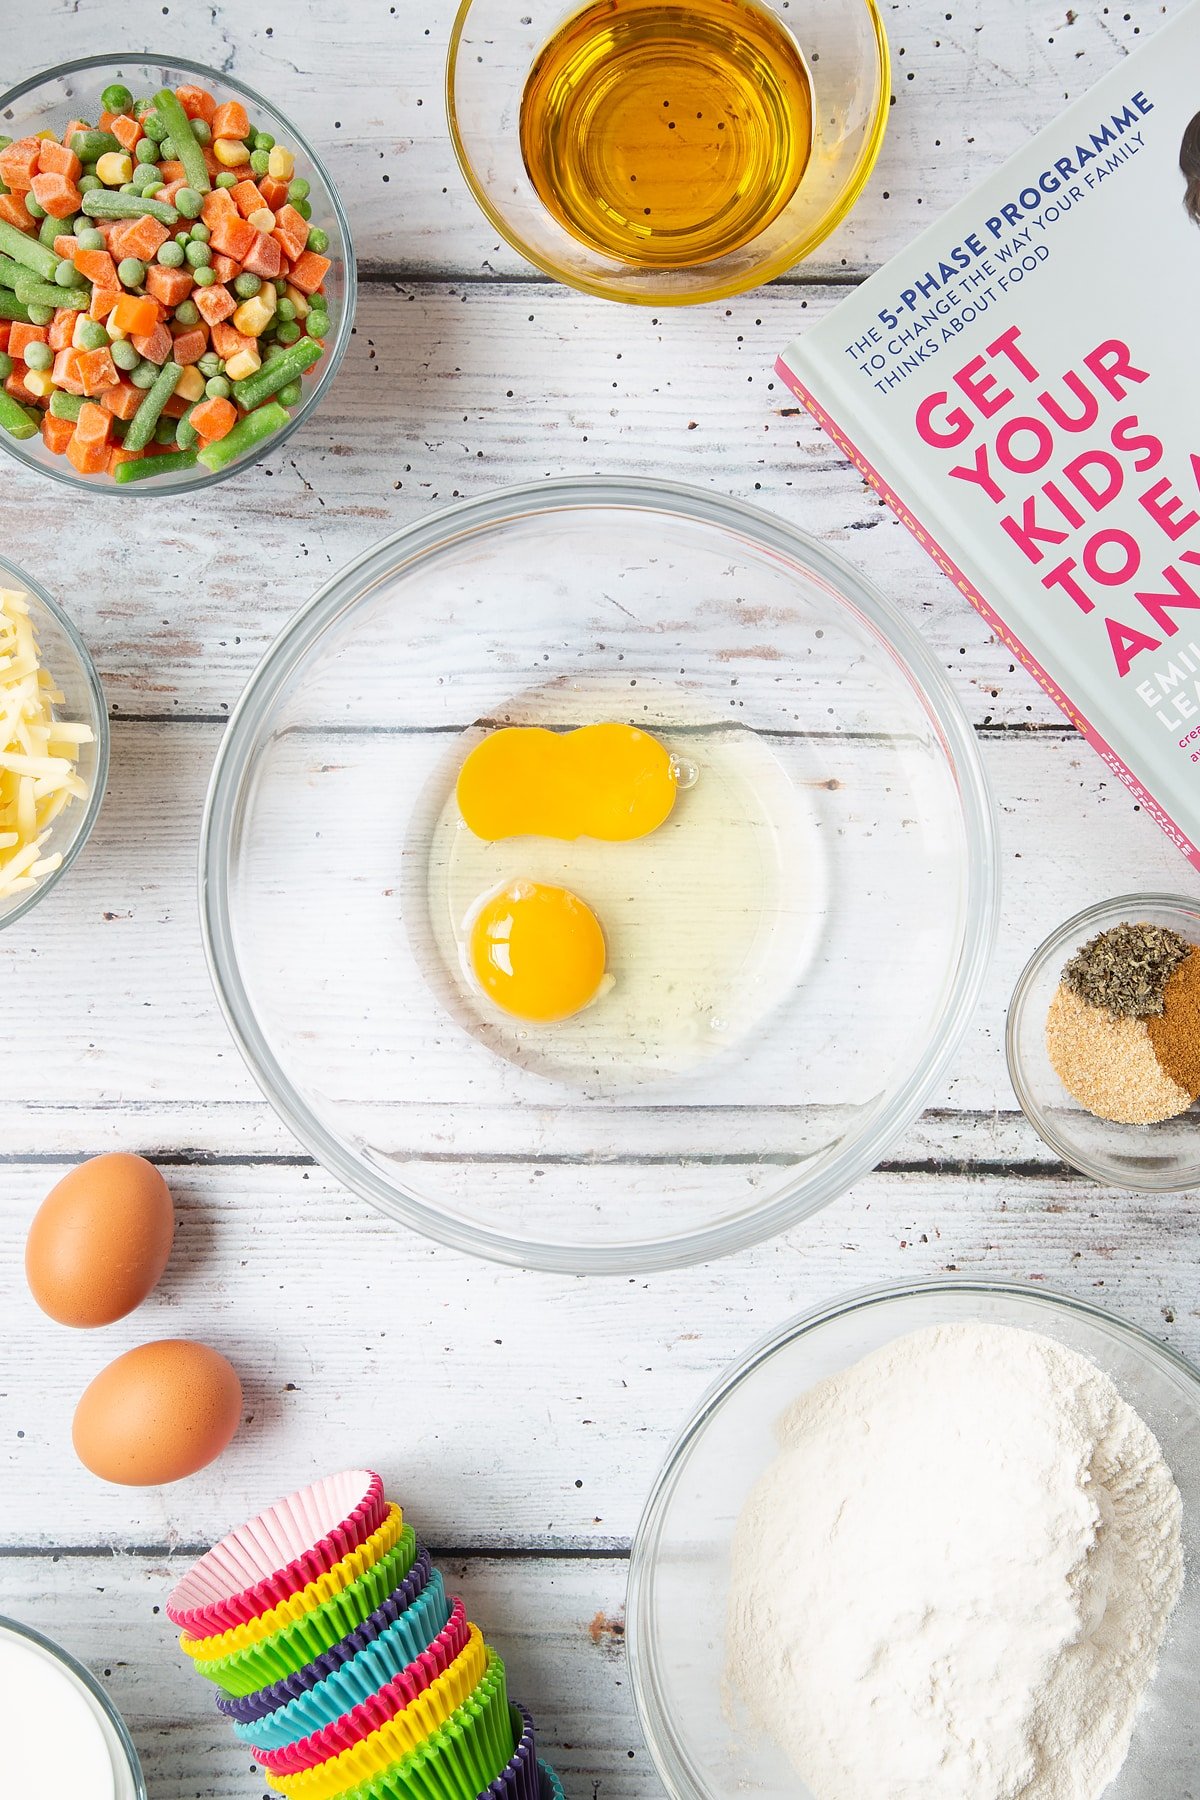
column 158, row 1413
column 100, row 1240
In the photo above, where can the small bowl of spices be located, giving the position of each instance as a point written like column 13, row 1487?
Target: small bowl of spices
column 1103, row 1042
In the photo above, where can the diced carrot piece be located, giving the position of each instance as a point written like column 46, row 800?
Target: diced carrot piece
column 291, row 230
column 135, row 314
column 127, row 131
column 61, row 329
column 104, row 301
column 56, row 433
column 12, row 211
column 57, row 159
column 274, row 192
column 14, row 384
column 119, row 454
column 264, row 257
column 89, row 459
column 170, row 171
column 142, row 238
column 197, row 103
column 57, row 195
column 65, row 373
column 97, row 370
column 65, row 247
column 106, row 119
column 230, row 121
column 214, row 419
column 189, row 346
column 94, row 424
column 225, row 268
column 154, row 345
column 214, row 303
column 227, row 342
column 176, row 406
column 19, row 164
column 5, row 328
column 233, row 236
column 22, row 335
column 247, row 198
column 217, row 204
column 98, row 266
column 309, row 271
column 170, row 286
column 171, row 189
column 122, row 400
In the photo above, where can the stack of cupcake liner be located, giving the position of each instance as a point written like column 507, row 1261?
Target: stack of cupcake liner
column 343, row 1664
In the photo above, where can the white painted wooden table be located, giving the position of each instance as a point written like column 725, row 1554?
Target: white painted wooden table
column 519, row 1417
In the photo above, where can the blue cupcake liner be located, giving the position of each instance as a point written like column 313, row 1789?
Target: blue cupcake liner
column 422, row 1578
column 552, row 1787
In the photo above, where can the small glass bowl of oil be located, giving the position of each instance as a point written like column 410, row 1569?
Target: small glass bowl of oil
column 667, row 151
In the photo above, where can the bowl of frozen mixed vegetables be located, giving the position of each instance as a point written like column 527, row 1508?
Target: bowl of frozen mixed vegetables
column 177, row 281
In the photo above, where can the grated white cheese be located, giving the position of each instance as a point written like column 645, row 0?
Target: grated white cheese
column 38, row 753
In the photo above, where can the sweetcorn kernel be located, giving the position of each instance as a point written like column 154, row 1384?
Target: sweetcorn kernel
column 281, row 164
column 230, row 152
column 39, row 382
column 262, row 219
column 113, row 168
column 253, row 316
column 190, row 385
column 242, row 364
column 299, row 301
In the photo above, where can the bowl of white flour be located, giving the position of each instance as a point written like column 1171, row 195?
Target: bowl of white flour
column 936, row 1542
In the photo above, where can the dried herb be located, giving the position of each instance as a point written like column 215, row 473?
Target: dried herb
column 1126, row 969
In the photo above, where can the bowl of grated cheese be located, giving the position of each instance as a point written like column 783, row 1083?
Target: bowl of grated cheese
column 53, row 743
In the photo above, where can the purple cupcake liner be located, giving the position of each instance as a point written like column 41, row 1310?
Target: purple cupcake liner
column 247, row 1708
column 520, row 1779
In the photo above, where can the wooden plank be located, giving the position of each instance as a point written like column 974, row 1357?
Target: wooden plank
column 558, row 1624
column 970, row 85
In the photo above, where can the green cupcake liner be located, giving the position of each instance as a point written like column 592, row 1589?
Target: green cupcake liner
column 462, row 1758
column 302, row 1640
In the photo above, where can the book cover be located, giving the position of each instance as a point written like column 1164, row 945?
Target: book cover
column 1022, row 386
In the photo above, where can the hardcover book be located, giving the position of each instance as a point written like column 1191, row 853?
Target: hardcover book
column 1022, row 386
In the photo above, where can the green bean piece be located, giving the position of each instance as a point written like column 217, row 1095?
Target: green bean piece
column 124, row 355
column 152, row 188
column 141, row 426
column 41, row 293
column 9, row 270
column 49, row 229
column 116, row 98
column 164, row 432
column 90, row 146
column 276, row 374
column 187, row 150
column 39, row 356
column 248, row 432
column 17, row 420
column 186, row 435
column 66, row 406
column 145, row 468
column 104, row 204
column 6, row 365
column 202, row 131
column 131, row 271
column 170, row 254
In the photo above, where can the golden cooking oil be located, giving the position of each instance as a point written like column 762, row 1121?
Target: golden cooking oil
column 667, row 135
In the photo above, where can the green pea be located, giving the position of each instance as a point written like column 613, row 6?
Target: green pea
column 116, row 98
column 205, row 277
column 34, row 207
column 262, row 140
column 92, row 335
column 200, row 233
column 186, row 313
column 90, row 239
column 298, row 190
column 227, row 178
column 39, row 356
column 127, row 187
column 144, row 375
column 198, row 255
column 67, row 275
column 167, row 149
column 183, row 239
column 170, row 254
column 210, row 363
column 40, row 315
column 217, row 388
column 290, row 395
column 285, row 310
column 131, row 271
column 274, row 351
column 202, row 131
column 318, row 240
column 187, row 203
column 146, row 150
column 141, row 108
column 5, row 141
column 304, row 208
column 317, row 324
column 245, row 285
column 288, row 332
column 154, row 127
column 87, row 184
column 259, row 161
column 164, row 431
column 144, row 174
column 124, row 354
column 6, row 361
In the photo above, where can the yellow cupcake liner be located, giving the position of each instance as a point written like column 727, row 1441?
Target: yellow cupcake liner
column 403, row 1733
column 462, row 1759
column 302, row 1640
column 335, row 1581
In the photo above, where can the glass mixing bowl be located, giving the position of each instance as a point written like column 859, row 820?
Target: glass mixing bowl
column 679, row 1571
column 46, row 103
column 814, row 919
column 1144, row 1159
column 492, row 48
column 85, row 1698
column 65, row 655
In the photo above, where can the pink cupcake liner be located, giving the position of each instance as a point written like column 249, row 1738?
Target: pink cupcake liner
column 371, row 1714
column 277, row 1554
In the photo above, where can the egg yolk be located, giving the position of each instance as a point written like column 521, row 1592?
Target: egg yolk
column 537, row 951
column 611, row 782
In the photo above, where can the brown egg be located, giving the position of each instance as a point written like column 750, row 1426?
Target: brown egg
column 100, row 1240
column 158, row 1413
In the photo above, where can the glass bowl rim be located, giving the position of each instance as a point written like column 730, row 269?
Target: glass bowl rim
column 196, row 483
column 88, row 1680
column 607, row 289
column 344, row 589
column 1070, row 932
column 652, row 1714
column 103, row 741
